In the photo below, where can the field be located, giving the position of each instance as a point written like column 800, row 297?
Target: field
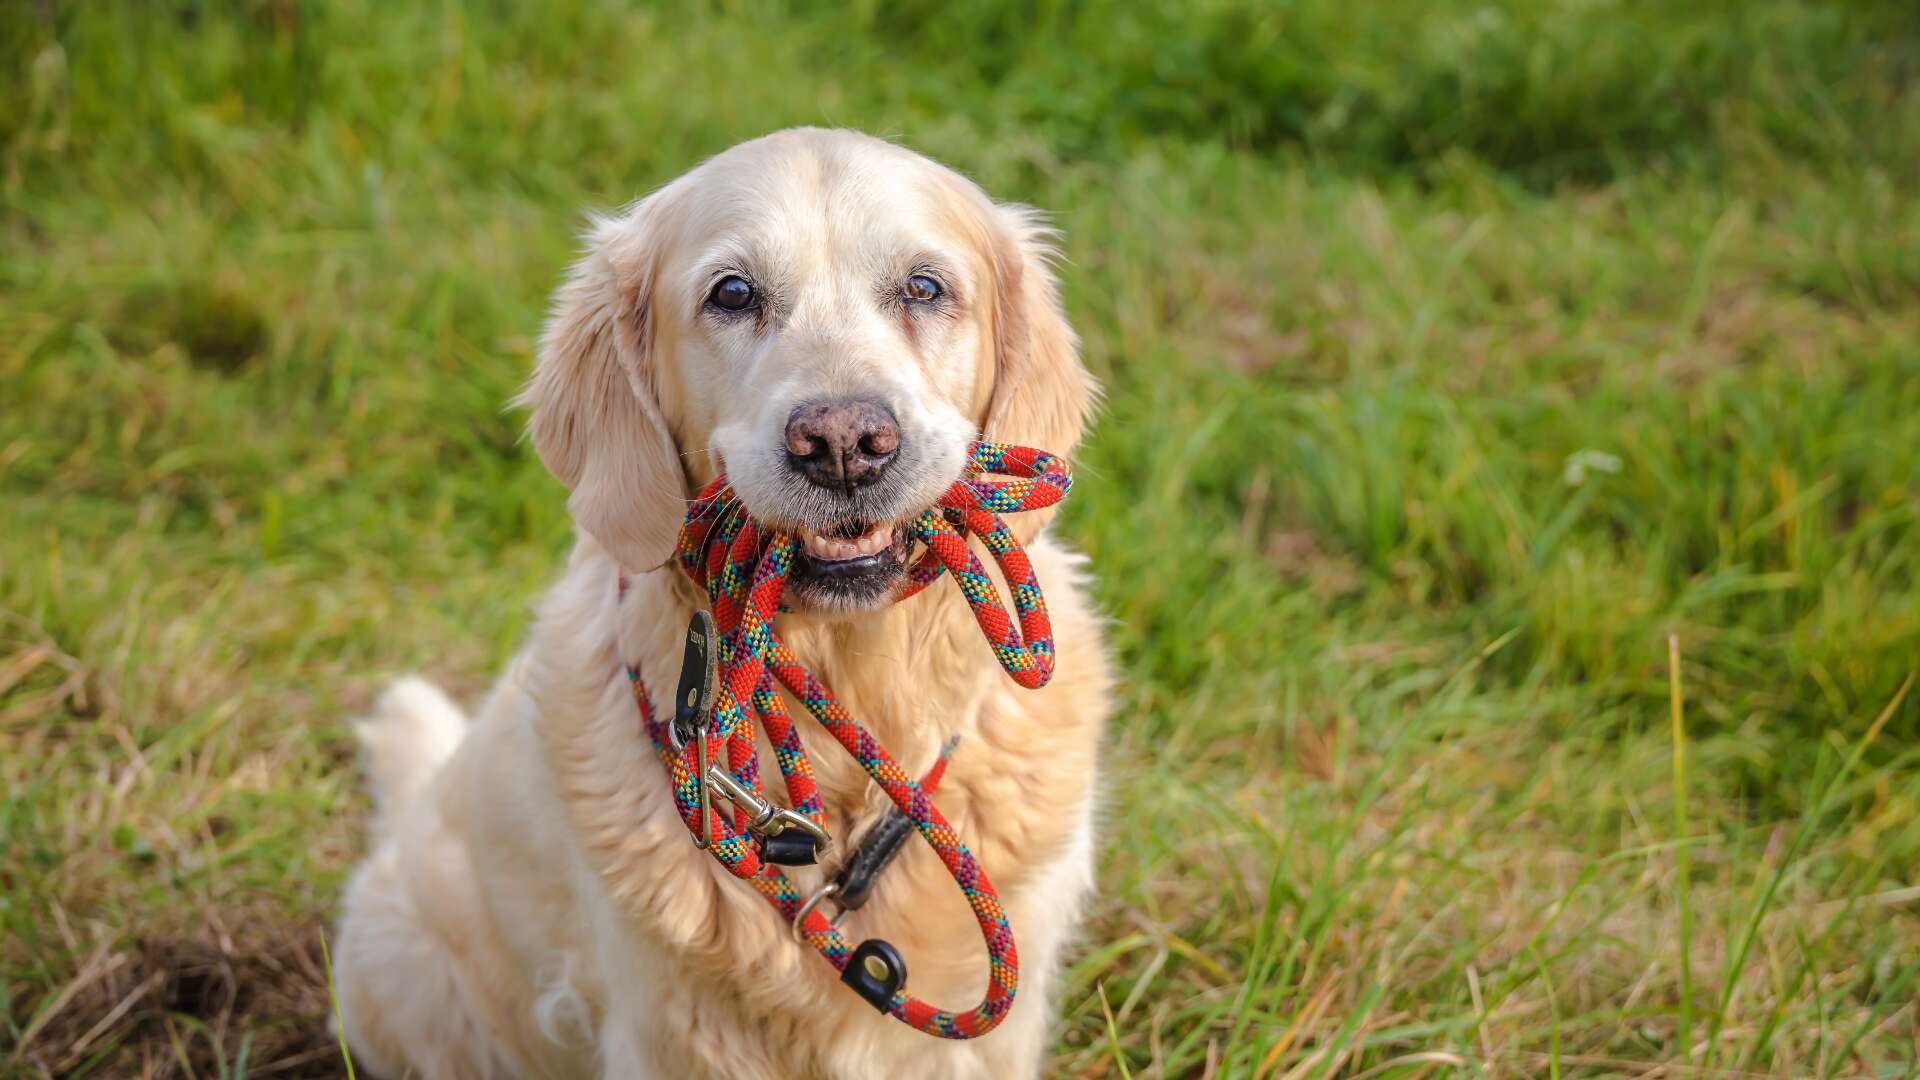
column 1507, row 499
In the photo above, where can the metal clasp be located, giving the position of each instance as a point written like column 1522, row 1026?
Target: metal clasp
column 763, row 817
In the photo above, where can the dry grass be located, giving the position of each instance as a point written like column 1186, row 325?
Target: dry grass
column 248, row 1002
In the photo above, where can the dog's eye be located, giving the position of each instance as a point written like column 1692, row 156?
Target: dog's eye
column 733, row 293
column 922, row 288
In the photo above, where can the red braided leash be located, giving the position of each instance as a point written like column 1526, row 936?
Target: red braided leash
column 744, row 569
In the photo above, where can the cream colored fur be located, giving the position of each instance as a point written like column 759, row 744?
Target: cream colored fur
column 532, row 905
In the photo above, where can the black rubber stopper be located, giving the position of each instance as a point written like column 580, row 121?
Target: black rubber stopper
column 876, row 972
column 789, row 848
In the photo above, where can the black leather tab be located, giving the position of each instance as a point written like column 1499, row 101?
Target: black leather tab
column 875, row 850
column 698, row 664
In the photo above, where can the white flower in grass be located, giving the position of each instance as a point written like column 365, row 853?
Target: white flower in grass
column 1580, row 462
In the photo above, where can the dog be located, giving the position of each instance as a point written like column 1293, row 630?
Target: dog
column 830, row 320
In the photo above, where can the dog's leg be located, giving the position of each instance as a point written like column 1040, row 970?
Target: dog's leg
column 402, row 1005
column 407, row 1002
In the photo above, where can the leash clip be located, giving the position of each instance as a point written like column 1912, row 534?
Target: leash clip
column 766, row 818
column 692, row 717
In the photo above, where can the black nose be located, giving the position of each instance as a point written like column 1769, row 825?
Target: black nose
column 842, row 444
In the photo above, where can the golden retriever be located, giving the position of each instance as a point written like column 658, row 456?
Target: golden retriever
column 829, row 319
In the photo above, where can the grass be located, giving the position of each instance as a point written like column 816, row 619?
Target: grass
column 1459, row 357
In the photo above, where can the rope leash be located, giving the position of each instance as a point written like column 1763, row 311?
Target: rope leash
column 744, row 569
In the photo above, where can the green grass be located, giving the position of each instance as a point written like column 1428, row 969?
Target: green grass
column 1458, row 354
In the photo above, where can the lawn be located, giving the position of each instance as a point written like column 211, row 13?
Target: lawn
column 1507, row 499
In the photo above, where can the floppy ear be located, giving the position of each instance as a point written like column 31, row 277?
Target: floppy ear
column 596, row 418
column 1042, row 395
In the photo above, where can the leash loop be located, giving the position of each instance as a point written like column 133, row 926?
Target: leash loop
column 744, row 569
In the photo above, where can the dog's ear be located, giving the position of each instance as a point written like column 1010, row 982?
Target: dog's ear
column 596, row 421
column 1042, row 395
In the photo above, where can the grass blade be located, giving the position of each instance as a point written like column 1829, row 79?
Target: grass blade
column 1683, row 886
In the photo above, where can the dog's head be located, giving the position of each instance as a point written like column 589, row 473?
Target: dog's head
column 828, row 318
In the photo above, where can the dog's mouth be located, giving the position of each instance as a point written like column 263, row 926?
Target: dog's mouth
column 857, row 564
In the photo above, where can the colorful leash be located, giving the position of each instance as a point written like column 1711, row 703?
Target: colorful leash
column 744, row 569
